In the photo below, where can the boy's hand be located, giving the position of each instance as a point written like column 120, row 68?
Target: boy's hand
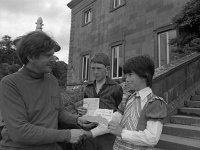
column 99, row 130
column 87, row 134
column 81, row 110
column 115, row 128
column 86, row 125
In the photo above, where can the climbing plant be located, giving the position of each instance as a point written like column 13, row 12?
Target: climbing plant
column 187, row 23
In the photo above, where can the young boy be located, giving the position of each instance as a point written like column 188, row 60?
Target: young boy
column 110, row 94
column 138, row 123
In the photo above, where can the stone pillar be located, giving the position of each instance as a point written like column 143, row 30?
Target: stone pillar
column 39, row 24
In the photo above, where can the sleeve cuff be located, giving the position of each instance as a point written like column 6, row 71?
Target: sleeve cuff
column 64, row 136
column 125, row 133
column 117, row 116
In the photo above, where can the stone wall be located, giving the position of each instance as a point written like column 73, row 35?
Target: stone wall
column 174, row 80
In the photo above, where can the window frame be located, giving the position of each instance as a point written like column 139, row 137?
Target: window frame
column 85, row 12
column 87, row 71
column 113, row 2
column 157, row 52
column 168, row 52
column 116, row 3
column 114, row 45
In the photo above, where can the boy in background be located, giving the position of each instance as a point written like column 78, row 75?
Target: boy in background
column 110, row 95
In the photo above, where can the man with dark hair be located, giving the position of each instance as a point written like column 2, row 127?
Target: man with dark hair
column 138, row 123
column 110, row 95
column 30, row 100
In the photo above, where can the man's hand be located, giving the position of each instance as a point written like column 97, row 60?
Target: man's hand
column 100, row 130
column 76, row 135
column 115, row 128
column 82, row 110
column 86, row 125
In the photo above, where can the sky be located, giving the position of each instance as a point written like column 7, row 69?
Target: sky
column 18, row 17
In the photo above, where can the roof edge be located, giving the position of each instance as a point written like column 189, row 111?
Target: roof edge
column 73, row 3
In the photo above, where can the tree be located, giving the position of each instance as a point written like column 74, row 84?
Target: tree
column 188, row 24
column 3, row 70
column 9, row 62
column 7, row 51
column 59, row 70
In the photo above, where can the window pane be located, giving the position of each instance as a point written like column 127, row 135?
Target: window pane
column 87, row 72
column 114, row 63
column 88, row 16
column 116, row 3
column 163, row 49
column 172, row 53
column 117, row 61
column 166, row 51
column 120, row 62
column 85, row 66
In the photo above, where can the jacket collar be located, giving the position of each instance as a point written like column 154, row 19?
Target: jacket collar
column 109, row 81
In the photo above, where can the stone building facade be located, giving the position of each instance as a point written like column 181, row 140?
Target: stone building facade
column 121, row 29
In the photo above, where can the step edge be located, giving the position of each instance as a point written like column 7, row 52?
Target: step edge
column 180, row 140
column 182, row 126
column 193, row 108
column 184, row 116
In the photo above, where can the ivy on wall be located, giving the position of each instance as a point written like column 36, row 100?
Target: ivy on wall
column 188, row 25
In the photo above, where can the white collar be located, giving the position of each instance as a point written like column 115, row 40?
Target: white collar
column 143, row 93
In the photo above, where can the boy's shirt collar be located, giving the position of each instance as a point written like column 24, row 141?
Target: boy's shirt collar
column 143, row 93
column 109, row 81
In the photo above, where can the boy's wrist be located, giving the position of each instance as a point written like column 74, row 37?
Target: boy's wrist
column 88, row 134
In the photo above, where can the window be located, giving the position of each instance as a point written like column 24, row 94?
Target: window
column 117, row 61
column 88, row 16
column 166, row 53
column 116, row 4
column 85, row 68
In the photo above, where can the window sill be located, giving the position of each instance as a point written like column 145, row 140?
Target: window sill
column 113, row 9
column 86, row 24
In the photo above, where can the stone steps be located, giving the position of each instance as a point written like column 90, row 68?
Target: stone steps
column 189, row 111
column 185, row 120
column 186, row 131
column 183, row 130
column 193, row 104
column 197, row 92
column 170, row 142
column 195, row 98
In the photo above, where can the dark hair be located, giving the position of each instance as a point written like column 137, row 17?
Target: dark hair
column 101, row 58
column 142, row 65
column 34, row 44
